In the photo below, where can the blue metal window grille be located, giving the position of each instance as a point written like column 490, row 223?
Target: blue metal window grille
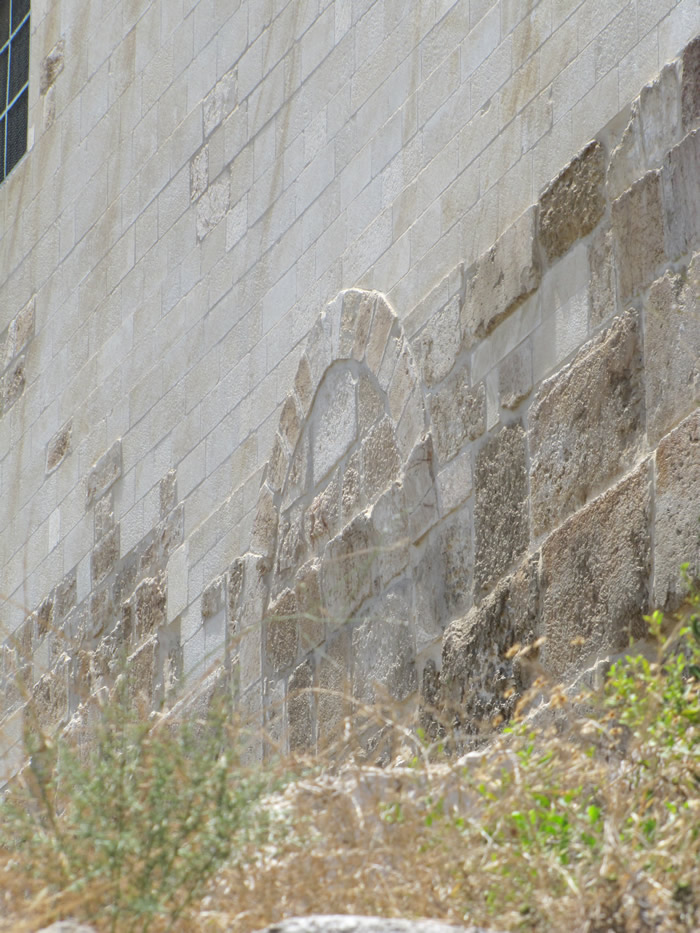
column 14, row 77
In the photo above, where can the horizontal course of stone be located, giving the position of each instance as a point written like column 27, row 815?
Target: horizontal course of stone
column 514, row 455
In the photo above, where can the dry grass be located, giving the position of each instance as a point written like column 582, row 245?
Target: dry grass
column 587, row 819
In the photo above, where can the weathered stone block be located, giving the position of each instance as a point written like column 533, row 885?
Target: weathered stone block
column 501, row 279
column 101, row 612
column 142, row 667
column 282, row 631
column 50, row 699
column 312, row 629
column 303, row 385
column 333, row 686
column 382, row 322
column 150, row 607
column 370, row 402
column 170, row 533
column 458, row 415
column 479, row 683
column 677, row 513
column 104, row 473
column 214, row 598
column 456, row 551
column 300, row 708
column 680, row 175
column 672, row 349
column 638, row 231
column 355, row 321
column 403, row 382
column 439, row 343
column 690, row 88
column 352, row 494
column 574, row 203
column 380, row 459
column 515, row 376
column 659, row 104
column 59, row 447
column 52, row 66
column 595, row 578
column 290, row 426
column 454, row 483
column 199, row 173
column 603, row 281
column 500, row 512
column 277, row 465
column 13, row 384
column 265, row 524
column 384, row 650
column 323, row 515
column 346, row 571
column 627, row 160
column 335, row 421
column 389, row 518
column 293, row 546
column 105, row 555
column 19, row 333
column 104, row 516
column 65, row 597
column 586, row 423
column 167, row 491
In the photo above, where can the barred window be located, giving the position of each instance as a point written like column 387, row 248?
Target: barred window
column 14, row 76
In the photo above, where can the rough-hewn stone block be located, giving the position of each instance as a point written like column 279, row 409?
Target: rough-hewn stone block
column 105, row 555
column 478, row 681
column 104, row 473
column 672, row 349
column 659, row 105
column 439, row 343
column 603, row 279
column 300, row 708
column 334, row 686
column 384, row 650
column 501, row 279
column 346, row 577
column 323, row 515
column 515, row 376
column 59, row 447
column 500, row 513
column 638, row 230
column 690, row 88
column 380, row 459
column 677, row 513
column 150, row 607
column 574, row 203
column 335, row 421
column 680, row 175
column 586, row 423
column 282, row 631
column 595, row 578
column 458, row 415
column 167, row 491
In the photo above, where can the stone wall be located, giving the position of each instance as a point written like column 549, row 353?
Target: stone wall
column 480, row 437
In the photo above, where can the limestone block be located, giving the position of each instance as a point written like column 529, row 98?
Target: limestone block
column 19, row 333
column 65, row 597
column 370, row 402
column 298, row 476
column 501, row 279
column 234, row 592
column 638, row 231
column 454, row 483
column 199, row 173
column 382, row 322
column 13, row 384
column 221, row 100
column 355, row 321
column 389, row 518
column 380, row 459
column 293, row 546
column 150, row 602
column 300, row 708
column 319, row 353
column 690, row 88
column 333, row 686
column 277, row 465
column 170, row 532
column 335, row 421
column 680, row 175
column 627, row 160
column 403, row 381
column 672, row 349
column 659, row 104
column 586, row 423
column 479, row 684
column 603, row 281
column 213, row 598
column 105, row 555
column 515, row 376
column 351, row 501
column 282, row 631
column 142, row 667
column 346, row 570
column 212, row 207
column 412, row 424
column 290, row 426
column 323, row 515
column 677, row 513
column 438, row 344
column 308, row 595
column 501, row 530
column 104, row 473
column 574, row 203
column 457, row 414
column 595, row 578
column 177, row 583
column 275, row 716
column 384, row 650
column 49, row 703
column 392, row 354
column 265, row 524
column 59, row 447
column 303, row 385
column 456, row 552
column 167, row 492
column 52, row 66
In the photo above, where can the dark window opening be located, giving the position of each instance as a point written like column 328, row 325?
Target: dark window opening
column 14, row 77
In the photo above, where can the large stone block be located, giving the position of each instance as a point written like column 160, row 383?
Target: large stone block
column 323, row 515
column 681, row 194
column 677, row 513
column 335, row 421
column 478, row 681
column 150, row 602
column 439, row 343
column 586, row 423
column 672, row 349
column 501, row 279
column 59, row 447
column 380, row 459
column 333, row 686
column 595, row 578
column 384, row 650
column 282, row 631
column 346, row 571
column 104, row 473
column 638, row 230
column 300, row 708
column 659, row 104
column 690, row 88
column 574, row 203
column 500, row 512
column 105, row 555
column 603, row 278
column 458, row 415
column 515, row 376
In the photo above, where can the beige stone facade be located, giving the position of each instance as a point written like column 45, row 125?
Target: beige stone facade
column 344, row 343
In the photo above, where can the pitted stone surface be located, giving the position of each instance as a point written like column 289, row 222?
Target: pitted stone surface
column 439, row 343
column 384, row 650
column 346, row 578
column 300, row 706
column 500, row 513
column 638, row 229
column 458, row 415
column 59, row 447
column 501, row 279
column 659, row 104
column 282, row 631
column 380, row 459
column 587, row 423
column 680, row 175
column 677, row 516
column 574, row 203
column 479, row 683
column 336, row 421
column 595, row 578
column 672, row 349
